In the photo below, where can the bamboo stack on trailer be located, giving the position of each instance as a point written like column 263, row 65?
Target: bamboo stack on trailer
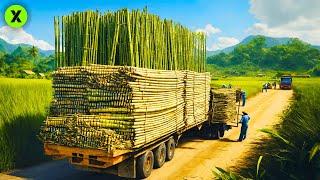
column 224, row 102
column 133, row 105
column 197, row 88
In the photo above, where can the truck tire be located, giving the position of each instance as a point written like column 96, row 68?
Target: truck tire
column 160, row 155
column 221, row 133
column 208, row 132
column 170, row 149
column 145, row 165
column 218, row 133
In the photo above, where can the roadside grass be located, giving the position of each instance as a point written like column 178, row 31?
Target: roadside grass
column 23, row 107
column 251, row 85
column 292, row 149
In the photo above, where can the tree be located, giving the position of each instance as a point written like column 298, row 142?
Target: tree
column 221, row 59
column 34, row 52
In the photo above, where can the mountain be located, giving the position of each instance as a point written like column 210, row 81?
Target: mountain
column 9, row 48
column 270, row 42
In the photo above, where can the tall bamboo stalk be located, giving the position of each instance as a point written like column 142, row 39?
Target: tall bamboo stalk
column 133, row 38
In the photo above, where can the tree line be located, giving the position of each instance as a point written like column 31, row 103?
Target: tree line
column 25, row 58
column 293, row 56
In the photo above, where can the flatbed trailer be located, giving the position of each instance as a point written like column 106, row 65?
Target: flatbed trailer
column 136, row 163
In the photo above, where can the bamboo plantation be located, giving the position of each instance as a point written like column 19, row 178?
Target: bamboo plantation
column 132, row 38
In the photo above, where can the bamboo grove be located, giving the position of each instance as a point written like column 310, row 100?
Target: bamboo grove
column 131, row 38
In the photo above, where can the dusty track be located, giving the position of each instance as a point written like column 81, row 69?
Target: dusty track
column 194, row 158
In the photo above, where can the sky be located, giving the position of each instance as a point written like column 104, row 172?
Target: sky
column 225, row 22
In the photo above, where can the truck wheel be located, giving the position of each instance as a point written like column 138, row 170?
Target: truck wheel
column 160, row 155
column 170, row 149
column 217, row 133
column 145, row 165
column 221, row 133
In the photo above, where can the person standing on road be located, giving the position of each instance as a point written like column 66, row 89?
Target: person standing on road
column 244, row 126
column 265, row 87
column 243, row 97
column 275, row 85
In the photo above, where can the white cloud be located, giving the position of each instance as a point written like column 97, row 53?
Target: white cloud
column 17, row 36
column 287, row 18
column 223, row 42
column 209, row 30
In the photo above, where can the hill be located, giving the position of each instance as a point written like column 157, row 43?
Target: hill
column 260, row 53
column 9, row 48
column 270, row 42
column 14, row 59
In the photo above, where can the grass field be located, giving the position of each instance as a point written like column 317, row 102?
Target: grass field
column 23, row 106
column 251, row 85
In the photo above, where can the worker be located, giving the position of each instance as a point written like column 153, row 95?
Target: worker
column 243, row 97
column 244, row 126
column 275, row 85
column 265, row 87
column 238, row 95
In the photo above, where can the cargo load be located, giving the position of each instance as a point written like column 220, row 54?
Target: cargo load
column 224, row 106
column 122, row 107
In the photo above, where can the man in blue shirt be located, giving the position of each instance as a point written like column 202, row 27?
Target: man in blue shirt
column 244, row 126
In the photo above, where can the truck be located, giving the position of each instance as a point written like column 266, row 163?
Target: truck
column 139, row 163
column 124, row 99
column 286, row 82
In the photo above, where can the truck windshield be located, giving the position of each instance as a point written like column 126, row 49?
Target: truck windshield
column 286, row 80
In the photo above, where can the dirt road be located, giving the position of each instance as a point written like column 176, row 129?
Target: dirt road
column 195, row 158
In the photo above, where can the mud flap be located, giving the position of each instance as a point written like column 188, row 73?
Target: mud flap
column 127, row 168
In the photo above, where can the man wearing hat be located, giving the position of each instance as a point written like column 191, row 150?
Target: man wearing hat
column 244, row 126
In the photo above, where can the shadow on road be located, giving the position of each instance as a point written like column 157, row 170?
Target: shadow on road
column 227, row 140
column 60, row 170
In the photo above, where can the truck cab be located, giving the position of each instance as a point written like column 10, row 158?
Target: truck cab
column 286, row 82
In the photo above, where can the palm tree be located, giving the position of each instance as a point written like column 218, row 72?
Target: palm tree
column 34, row 52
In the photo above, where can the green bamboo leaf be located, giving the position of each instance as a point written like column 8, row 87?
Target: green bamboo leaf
column 258, row 166
column 276, row 135
column 314, row 150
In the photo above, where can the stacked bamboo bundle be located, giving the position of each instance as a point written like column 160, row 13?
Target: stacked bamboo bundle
column 124, row 107
column 197, row 88
column 224, row 102
column 85, row 131
column 70, row 92
column 132, row 38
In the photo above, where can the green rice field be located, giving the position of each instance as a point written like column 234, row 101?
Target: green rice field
column 23, row 107
column 251, row 85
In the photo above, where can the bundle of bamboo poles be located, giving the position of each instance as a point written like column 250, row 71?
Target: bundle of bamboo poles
column 132, row 38
column 134, row 105
column 224, row 104
column 82, row 131
column 196, row 93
